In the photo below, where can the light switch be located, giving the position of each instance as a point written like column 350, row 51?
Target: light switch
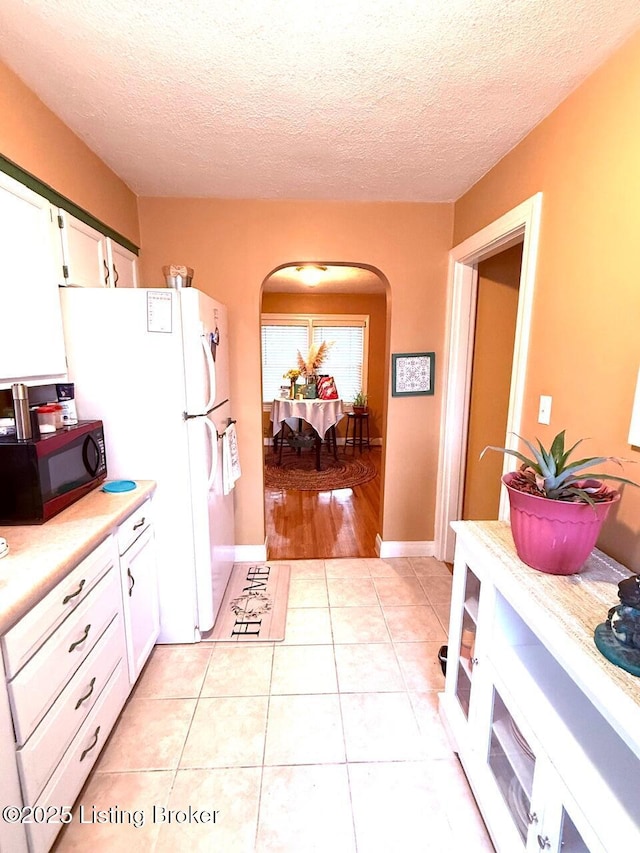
column 544, row 411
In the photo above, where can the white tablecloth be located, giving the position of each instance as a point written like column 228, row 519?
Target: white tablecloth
column 320, row 414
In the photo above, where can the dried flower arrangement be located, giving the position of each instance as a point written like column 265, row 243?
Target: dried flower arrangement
column 316, row 357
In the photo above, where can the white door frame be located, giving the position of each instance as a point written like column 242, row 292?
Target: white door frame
column 522, row 224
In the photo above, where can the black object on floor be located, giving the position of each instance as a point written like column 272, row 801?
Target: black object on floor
column 442, row 657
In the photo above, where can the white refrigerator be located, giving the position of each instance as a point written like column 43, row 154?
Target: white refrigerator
column 154, row 366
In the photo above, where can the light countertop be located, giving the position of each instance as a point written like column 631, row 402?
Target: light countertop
column 40, row 555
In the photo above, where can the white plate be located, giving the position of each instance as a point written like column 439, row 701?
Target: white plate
column 520, row 739
column 517, row 801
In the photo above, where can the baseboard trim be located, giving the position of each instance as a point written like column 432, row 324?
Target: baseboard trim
column 250, row 553
column 404, row 549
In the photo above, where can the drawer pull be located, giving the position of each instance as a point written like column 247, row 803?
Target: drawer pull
column 86, row 696
column 132, row 584
column 82, row 639
column 89, row 748
column 140, row 523
column 68, row 598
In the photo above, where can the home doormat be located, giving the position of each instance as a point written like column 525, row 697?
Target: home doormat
column 254, row 607
column 298, row 473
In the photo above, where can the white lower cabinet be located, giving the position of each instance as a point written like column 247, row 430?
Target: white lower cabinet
column 536, row 715
column 68, row 667
column 41, row 754
column 66, row 782
column 138, row 575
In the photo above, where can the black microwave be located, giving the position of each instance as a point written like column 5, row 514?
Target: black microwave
column 40, row 478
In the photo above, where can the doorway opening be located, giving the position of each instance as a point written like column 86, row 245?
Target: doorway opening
column 519, row 226
column 494, row 326
column 346, row 304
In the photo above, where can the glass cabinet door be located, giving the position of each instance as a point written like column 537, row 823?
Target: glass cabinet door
column 512, row 763
column 570, row 839
column 557, row 833
column 466, row 658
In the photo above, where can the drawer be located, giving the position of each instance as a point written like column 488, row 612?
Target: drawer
column 133, row 526
column 71, row 774
column 39, row 756
column 26, row 637
column 36, row 687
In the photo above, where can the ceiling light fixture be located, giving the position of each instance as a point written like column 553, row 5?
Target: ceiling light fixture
column 311, row 274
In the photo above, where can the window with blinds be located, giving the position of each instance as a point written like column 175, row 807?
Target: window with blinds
column 283, row 335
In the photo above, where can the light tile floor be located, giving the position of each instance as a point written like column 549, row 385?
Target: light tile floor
column 328, row 741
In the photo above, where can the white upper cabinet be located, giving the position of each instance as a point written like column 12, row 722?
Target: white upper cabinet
column 31, row 340
column 93, row 260
column 84, row 252
column 123, row 265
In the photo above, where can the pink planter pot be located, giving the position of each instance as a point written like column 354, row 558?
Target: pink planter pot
column 554, row 536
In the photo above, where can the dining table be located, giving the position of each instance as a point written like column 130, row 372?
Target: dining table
column 321, row 415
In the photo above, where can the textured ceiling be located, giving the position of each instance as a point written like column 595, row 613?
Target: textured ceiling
column 410, row 100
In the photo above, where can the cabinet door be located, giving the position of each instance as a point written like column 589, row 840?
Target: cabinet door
column 32, row 343
column 511, row 761
column 556, row 824
column 471, row 606
column 85, row 254
column 123, row 265
column 140, row 596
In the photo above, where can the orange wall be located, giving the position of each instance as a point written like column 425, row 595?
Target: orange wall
column 36, row 140
column 496, row 311
column 585, row 343
column 336, row 303
column 233, row 245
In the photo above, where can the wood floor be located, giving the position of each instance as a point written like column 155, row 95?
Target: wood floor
column 322, row 525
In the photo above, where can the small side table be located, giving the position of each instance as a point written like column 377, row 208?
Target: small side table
column 357, row 433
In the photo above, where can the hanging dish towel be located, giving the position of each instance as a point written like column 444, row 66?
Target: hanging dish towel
column 230, row 459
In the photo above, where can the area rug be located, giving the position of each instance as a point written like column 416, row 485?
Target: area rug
column 299, row 473
column 254, row 607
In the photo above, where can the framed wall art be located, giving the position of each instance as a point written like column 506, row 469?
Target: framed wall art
column 412, row 374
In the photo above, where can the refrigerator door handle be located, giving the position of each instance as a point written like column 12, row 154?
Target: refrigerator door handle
column 213, row 433
column 211, row 369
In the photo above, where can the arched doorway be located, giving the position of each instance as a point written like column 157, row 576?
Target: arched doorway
column 343, row 301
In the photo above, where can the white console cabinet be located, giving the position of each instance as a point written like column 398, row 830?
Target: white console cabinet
column 547, row 730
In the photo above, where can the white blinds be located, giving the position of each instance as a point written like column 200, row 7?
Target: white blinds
column 283, row 336
column 280, row 345
column 345, row 360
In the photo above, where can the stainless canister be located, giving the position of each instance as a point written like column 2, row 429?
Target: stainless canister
column 20, row 396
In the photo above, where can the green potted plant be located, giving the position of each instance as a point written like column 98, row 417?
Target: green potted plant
column 557, row 508
column 360, row 403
